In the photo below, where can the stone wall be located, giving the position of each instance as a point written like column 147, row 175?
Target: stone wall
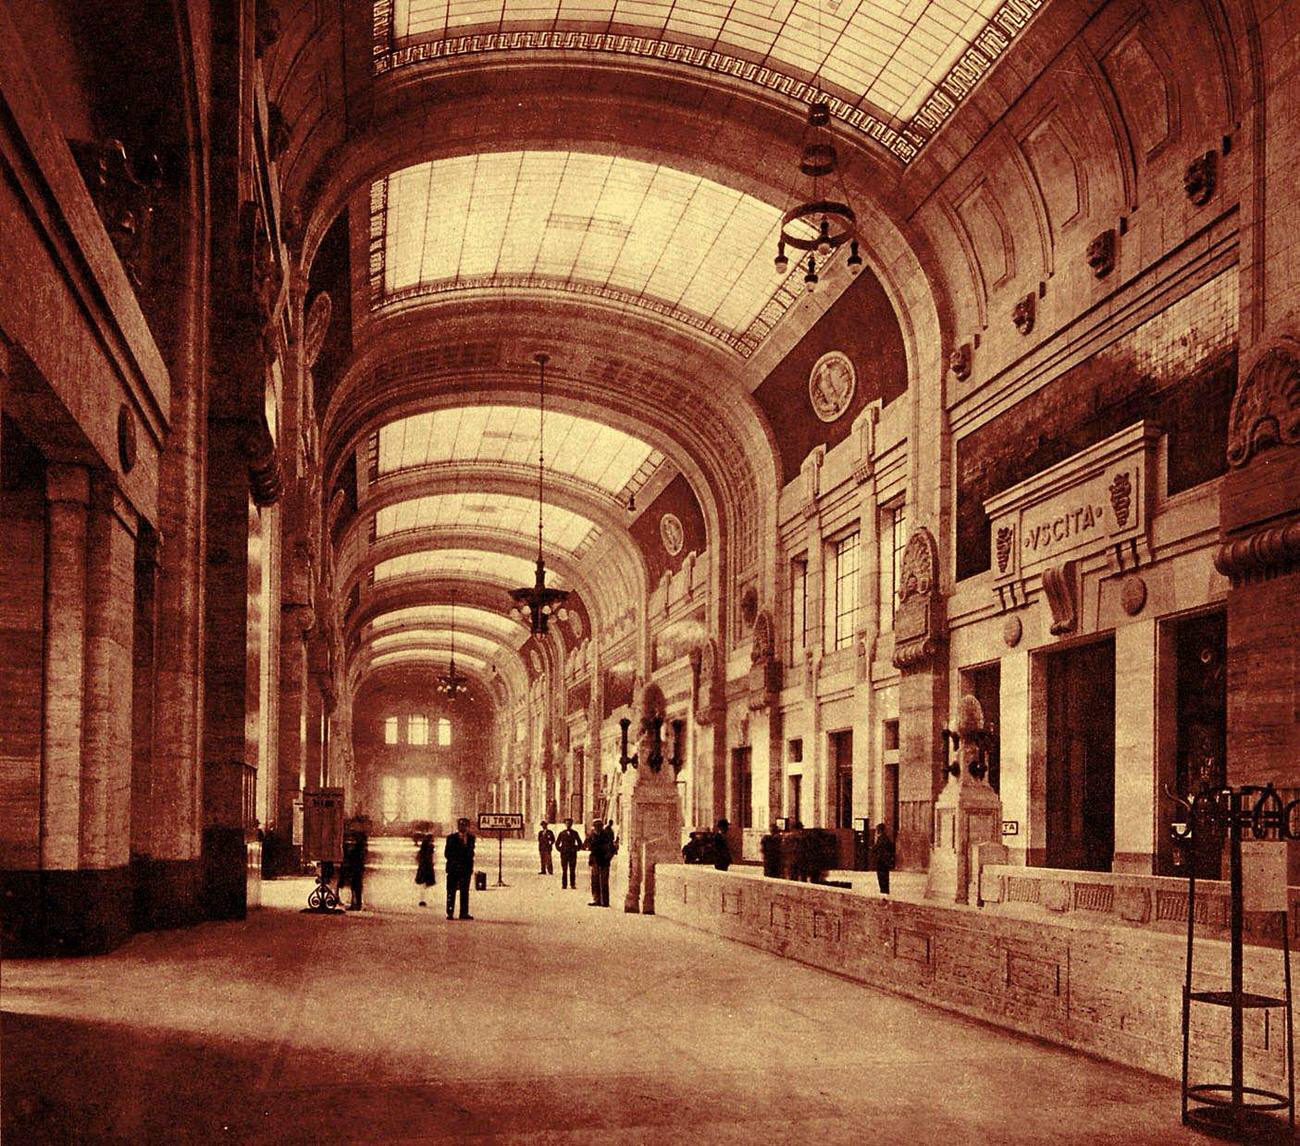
column 1110, row 991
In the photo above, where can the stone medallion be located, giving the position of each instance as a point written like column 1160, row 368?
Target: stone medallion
column 1133, row 595
column 831, row 385
column 671, row 533
column 1012, row 631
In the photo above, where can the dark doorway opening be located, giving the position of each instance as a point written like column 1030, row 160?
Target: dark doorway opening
column 1080, row 684
column 742, row 789
column 841, row 745
column 1201, row 706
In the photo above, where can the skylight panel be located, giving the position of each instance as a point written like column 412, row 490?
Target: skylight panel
column 434, row 657
column 477, row 510
column 439, row 617
column 850, row 44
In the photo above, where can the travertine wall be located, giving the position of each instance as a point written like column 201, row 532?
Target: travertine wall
column 1112, row 992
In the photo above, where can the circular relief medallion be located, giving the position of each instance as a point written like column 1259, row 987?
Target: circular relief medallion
column 1012, row 631
column 671, row 533
column 831, row 385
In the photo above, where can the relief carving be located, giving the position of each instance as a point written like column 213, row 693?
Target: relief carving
column 919, row 621
column 1200, row 178
column 960, row 362
column 708, row 691
column 764, row 668
column 1061, row 588
column 1024, row 313
column 1101, row 253
column 124, row 194
column 316, row 327
column 1266, row 408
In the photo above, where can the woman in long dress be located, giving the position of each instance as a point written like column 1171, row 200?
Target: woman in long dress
column 424, row 870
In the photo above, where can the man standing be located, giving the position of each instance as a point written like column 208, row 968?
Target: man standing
column 459, row 854
column 600, row 844
column 545, row 841
column 882, row 855
column 568, row 842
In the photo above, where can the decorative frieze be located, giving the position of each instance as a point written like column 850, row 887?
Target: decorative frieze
column 1096, row 501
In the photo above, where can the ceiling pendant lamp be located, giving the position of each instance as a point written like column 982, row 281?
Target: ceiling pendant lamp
column 453, row 684
column 536, row 601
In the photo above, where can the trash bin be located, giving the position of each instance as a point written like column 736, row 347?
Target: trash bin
column 480, row 881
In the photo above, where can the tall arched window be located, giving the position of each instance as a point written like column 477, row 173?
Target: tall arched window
column 444, row 732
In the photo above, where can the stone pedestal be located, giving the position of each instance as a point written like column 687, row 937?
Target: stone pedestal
column 651, row 834
column 967, row 819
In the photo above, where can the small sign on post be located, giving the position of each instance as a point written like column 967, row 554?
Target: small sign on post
column 500, row 822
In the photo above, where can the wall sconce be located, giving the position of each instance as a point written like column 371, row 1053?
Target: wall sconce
column 951, row 741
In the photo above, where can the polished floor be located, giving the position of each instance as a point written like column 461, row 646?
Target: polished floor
column 542, row 1020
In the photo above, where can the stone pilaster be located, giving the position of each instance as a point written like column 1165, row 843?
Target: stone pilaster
column 106, row 727
column 68, row 497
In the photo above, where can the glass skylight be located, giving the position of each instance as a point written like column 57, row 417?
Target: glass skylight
column 467, row 564
column 632, row 233
column 612, row 461
column 439, row 617
column 469, row 643
column 475, row 510
column 434, row 657
column 896, row 68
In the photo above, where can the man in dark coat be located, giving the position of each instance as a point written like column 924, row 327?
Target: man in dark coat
column 721, row 847
column 882, row 857
column 354, row 863
column 568, row 842
column 459, row 853
column 545, row 842
column 601, row 845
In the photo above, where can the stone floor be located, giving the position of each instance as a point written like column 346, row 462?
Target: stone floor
column 543, row 1020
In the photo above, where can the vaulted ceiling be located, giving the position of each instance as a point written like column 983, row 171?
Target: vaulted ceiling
column 604, row 182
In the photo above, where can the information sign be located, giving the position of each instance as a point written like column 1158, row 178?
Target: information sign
column 322, row 825
column 500, row 821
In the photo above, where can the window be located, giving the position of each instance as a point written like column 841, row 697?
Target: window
column 416, row 804
column 390, row 797
column 844, row 595
column 390, row 730
column 442, row 799
column 798, row 605
column 794, row 751
column 417, row 730
column 893, row 539
column 444, row 732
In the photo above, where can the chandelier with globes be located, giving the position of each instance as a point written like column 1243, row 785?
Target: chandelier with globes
column 453, row 684
column 536, row 602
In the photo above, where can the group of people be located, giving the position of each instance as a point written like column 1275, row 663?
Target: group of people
column 601, row 845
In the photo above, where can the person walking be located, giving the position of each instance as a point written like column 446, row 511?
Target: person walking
column 568, row 843
column 425, row 877
column 459, row 853
column 882, row 857
column 601, row 846
column 545, row 842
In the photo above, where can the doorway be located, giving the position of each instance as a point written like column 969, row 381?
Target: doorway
column 794, row 805
column 742, row 789
column 841, row 746
column 1080, row 756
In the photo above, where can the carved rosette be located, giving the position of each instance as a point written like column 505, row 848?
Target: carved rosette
column 919, row 623
column 1266, row 408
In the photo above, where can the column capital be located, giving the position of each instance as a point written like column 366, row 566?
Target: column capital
column 67, row 482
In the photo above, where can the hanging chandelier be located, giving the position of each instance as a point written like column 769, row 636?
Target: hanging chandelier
column 832, row 218
column 539, row 601
column 453, row 684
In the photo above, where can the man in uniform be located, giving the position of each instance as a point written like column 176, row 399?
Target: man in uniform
column 600, row 844
column 569, row 843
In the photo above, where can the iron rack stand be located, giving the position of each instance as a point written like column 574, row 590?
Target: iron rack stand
column 1245, row 1112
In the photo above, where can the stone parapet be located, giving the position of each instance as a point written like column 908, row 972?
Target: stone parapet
column 1110, row 991
column 1152, row 902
